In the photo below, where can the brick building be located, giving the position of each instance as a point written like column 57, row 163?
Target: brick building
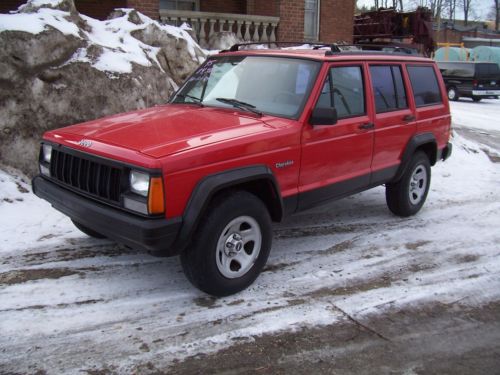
column 252, row 20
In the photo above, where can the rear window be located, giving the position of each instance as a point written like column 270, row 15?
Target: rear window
column 424, row 85
column 459, row 69
column 487, row 70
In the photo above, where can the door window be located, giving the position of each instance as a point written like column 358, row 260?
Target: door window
column 343, row 90
column 424, row 85
column 388, row 88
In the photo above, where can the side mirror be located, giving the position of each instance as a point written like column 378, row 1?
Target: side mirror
column 323, row 116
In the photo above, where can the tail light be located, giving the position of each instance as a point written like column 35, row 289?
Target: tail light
column 474, row 82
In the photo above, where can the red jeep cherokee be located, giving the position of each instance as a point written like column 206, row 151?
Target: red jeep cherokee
column 251, row 137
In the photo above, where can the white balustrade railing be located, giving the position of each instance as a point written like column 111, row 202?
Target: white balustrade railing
column 249, row 28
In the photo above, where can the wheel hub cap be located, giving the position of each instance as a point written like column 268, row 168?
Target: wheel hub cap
column 234, row 244
column 238, row 247
column 418, row 184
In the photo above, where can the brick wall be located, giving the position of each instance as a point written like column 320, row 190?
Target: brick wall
column 97, row 8
column 7, row 5
column 263, row 7
column 291, row 13
column 150, row 8
column 336, row 20
column 454, row 36
column 223, row 6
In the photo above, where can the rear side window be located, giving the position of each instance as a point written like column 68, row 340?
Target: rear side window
column 343, row 89
column 388, row 88
column 487, row 70
column 424, row 85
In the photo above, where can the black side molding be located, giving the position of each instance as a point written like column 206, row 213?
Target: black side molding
column 210, row 185
column 417, row 141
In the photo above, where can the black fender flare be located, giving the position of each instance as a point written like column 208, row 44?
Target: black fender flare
column 413, row 144
column 210, row 185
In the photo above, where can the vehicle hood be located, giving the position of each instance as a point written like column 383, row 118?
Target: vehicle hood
column 168, row 129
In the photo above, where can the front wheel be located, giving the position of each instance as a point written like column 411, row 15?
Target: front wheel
column 453, row 93
column 477, row 99
column 230, row 246
column 407, row 196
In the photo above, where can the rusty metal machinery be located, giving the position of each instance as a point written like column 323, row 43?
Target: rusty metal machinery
column 386, row 26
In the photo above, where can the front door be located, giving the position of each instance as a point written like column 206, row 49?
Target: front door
column 336, row 158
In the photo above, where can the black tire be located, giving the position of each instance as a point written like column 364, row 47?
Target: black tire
column 89, row 232
column 453, row 93
column 203, row 260
column 477, row 99
column 407, row 196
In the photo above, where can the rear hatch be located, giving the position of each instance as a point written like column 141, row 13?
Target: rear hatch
column 487, row 76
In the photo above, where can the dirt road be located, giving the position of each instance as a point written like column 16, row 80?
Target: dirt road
column 430, row 339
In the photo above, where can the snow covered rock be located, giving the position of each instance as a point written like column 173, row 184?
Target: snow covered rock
column 223, row 40
column 58, row 67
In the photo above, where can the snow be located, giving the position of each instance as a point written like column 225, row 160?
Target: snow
column 351, row 256
column 482, row 115
column 40, row 223
column 120, row 48
column 36, row 23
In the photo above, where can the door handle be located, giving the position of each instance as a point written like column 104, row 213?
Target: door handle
column 367, row 126
column 409, row 118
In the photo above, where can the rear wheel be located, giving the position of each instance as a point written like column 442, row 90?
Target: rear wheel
column 453, row 93
column 230, row 246
column 407, row 196
column 89, row 232
column 476, row 98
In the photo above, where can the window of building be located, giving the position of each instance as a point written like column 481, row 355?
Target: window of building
column 388, row 88
column 191, row 5
column 343, row 89
column 311, row 20
column 424, row 85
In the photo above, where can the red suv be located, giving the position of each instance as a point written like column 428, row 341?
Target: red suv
column 251, row 137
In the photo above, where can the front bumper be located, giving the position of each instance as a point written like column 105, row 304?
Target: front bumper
column 154, row 235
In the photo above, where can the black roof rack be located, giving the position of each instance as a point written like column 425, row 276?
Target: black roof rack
column 334, row 48
column 236, row 47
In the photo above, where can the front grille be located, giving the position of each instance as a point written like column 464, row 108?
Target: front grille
column 91, row 177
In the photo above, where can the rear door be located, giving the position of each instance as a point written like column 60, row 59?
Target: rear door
column 431, row 107
column 394, row 119
column 336, row 158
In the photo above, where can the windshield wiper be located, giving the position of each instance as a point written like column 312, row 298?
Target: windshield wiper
column 184, row 96
column 239, row 104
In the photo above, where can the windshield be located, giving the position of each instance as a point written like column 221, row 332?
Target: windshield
column 271, row 85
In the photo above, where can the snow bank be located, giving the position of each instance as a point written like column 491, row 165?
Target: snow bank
column 114, row 37
column 58, row 68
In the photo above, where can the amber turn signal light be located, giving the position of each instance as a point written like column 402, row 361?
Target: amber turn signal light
column 156, row 201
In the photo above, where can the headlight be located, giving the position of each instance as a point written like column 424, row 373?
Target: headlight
column 46, row 153
column 150, row 189
column 139, row 183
